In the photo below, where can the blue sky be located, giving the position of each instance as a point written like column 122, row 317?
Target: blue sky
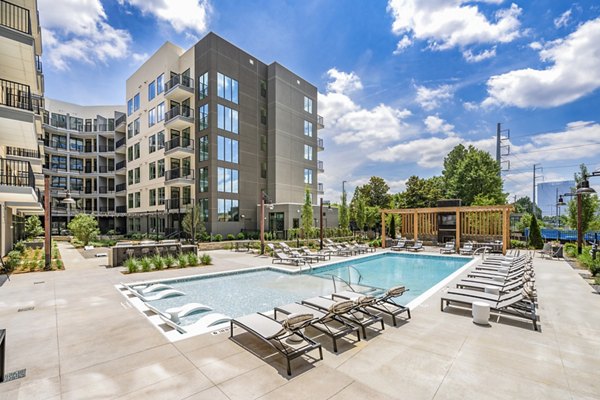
column 400, row 82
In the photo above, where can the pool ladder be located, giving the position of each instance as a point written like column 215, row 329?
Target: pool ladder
column 349, row 281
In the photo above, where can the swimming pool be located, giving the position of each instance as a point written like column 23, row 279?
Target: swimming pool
column 244, row 292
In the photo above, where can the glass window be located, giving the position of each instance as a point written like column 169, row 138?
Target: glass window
column 76, row 144
column 308, row 152
column 227, row 88
column 151, row 90
column 129, row 106
column 136, row 126
column 152, row 197
column 227, row 180
column 227, row 119
column 203, row 205
column 59, row 163
column 263, row 170
column 203, row 179
column 203, row 86
column 130, row 200
column 151, row 144
column 263, row 142
column 187, row 195
column 130, row 130
column 137, row 197
column 308, row 176
column 151, row 117
column 203, row 117
column 160, row 84
column 160, row 112
column 136, row 150
column 136, row 102
column 76, row 164
column 130, row 177
column 227, row 149
column 308, row 128
column 130, row 153
column 161, row 167
column 308, row 103
column 59, row 182
column 76, row 184
column 203, row 149
column 136, row 175
column 152, row 170
column 263, row 115
column 160, row 139
column 161, row 196
column 228, row 210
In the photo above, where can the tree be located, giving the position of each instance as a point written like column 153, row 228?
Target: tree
column 375, row 193
column 307, row 213
column 471, row 172
column 535, row 236
column 191, row 222
column 373, row 216
column 392, row 227
column 524, row 204
column 524, row 222
column 33, row 227
column 361, row 213
column 343, row 213
column 84, row 228
column 589, row 205
column 421, row 193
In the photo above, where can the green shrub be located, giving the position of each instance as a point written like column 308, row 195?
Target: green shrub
column 169, row 261
column 192, row 259
column 84, row 227
column 230, row 236
column 585, row 258
column 146, row 264
column 182, row 260
column 241, row 236
column 570, row 249
column 19, row 246
column 517, row 244
column 535, row 235
column 218, row 237
column 159, row 262
column 132, row 265
column 59, row 264
column 13, row 259
column 33, row 227
column 206, row 259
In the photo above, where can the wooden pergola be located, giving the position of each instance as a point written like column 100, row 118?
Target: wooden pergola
column 470, row 221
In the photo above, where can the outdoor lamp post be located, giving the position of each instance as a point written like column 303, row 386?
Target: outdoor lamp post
column 328, row 203
column 68, row 200
column 583, row 188
column 264, row 200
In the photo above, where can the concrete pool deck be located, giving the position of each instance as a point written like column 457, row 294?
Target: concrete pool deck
column 83, row 340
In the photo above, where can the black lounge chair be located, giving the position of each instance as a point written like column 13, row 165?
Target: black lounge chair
column 352, row 316
column 327, row 322
column 384, row 303
column 418, row 246
column 278, row 334
column 283, row 258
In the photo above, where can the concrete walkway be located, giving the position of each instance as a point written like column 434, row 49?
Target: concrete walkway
column 82, row 340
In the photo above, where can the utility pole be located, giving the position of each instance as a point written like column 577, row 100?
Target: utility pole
column 536, row 167
column 498, row 141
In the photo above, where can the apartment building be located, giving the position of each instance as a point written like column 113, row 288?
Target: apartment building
column 21, row 104
column 216, row 127
column 85, row 158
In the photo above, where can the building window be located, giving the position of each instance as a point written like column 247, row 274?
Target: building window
column 228, row 210
column 160, row 84
column 263, row 88
column 227, row 119
column 203, row 86
column 161, row 167
column 76, row 144
column 263, row 170
column 136, row 126
column 129, row 106
column 59, row 182
column 203, row 204
column 308, row 128
column 59, row 142
column 227, row 180
column 160, row 139
column 152, row 170
column 152, row 198
column 203, row 179
column 137, row 199
column 227, row 149
column 130, row 177
column 59, row 163
column 136, row 150
column 187, row 195
column 136, row 102
column 203, row 117
column 76, row 164
column 161, row 196
column 130, row 200
column 76, row 124
column 136, row 175
column 151, row 144
column 308, row 152
column 76, row 184
column 263, row 142
column 160, row 112
column 263, row 115
column 308, row 104
column 130, row 130
column 151, row 117
column 203, row 149
column 308, row 176
column 227, row 88
column 130, row 153
column 151, row 90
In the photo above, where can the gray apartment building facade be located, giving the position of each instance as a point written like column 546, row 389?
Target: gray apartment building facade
column 216, row 127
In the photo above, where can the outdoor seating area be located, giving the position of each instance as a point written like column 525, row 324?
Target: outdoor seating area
column 124, row 250
column 284, row 254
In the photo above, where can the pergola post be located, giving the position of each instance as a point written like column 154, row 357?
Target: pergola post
column 505, row 230
column 383, row 230
column 416, row 226
column 458, row 228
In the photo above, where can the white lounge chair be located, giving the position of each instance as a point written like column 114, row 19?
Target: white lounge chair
column 161, row 295
column 190, row 308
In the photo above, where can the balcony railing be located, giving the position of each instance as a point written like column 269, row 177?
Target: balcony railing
column 179, row 173
column 120, row 120
column 106, row 149
column 320, row 143
column 19, row 152
column 120, row 142
column 320, row 123
column 320, row 187
column 320, row 165
column 179, row 80
column 16, row 95
column 121, row 209
column 178, row 111
column 16, row 173
column 89, row 169
column 106, row 209
column 120, row 165
column 121, row 187
column 15, row 17
column 182, row 142
column 175, row 204
column 103, row 169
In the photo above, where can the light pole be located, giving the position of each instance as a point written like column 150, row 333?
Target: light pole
column 583, row 187
column 264, row 198
column 321, row 219
column 68, row 200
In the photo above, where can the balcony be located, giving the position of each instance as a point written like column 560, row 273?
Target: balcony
column 121, row 187
column 320, row 166
column 15, row 17
column 15, row 95
column 106, row 169
column 17, row 185
column 24, row 153
column 182, row 176
column 121, row 120
column 178, row 203
column 121, row 209
column 120, row 142
column 179, row 88
column 105, row 149
column 320, row 146
column 120, row 165
column 179, row 144
column 179, row 118
column 320, row 188
column 106, row 189
column 320, row 124
column 106, row 209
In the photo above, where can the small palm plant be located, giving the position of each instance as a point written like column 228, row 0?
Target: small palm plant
column 192, row 259
column 169, row 261
column 182, row 260
column 132, row 265
column 146, row 264
column 205, row 259
column 159, row 262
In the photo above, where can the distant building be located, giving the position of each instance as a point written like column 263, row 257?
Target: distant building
column 547, row 194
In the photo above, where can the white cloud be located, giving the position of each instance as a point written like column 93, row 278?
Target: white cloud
column 483, row 55
column 435, row 124
column 403, row 44
column 190, row 16
column 79, row 31
column 343, row 82
column 446, row 24
column 470, row 106
column 574, row 73
column 536, row 45
column 431, row 98
column 563, row 20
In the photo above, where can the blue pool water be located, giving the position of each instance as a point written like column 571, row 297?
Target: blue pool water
column 248, row 292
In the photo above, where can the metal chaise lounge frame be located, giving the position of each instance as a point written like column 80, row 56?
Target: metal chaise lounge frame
column 324, row 320
column 449, row 248
column 398, row 247
column 416, row 247
column 276, row 333
column 384, row 304
column 281, row 257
